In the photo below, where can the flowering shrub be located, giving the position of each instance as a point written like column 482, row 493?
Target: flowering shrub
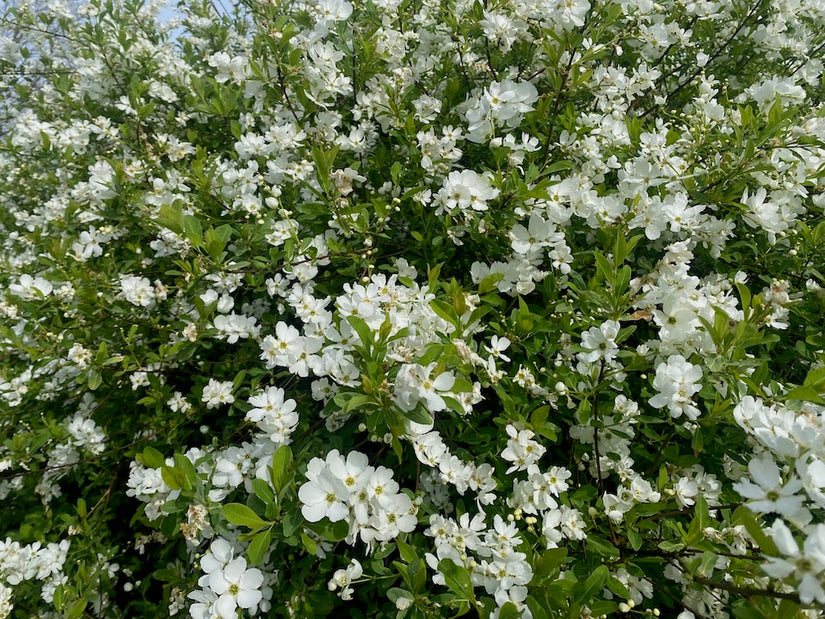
column 404, row 308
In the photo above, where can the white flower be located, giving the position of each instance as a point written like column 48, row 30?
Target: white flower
column 600, row 342
column 521, row 450
column 415, row 383
column 237, row 586
column 538, row 234
column 137, row 290
column 31, row 287
column 219, row 555
column 806, row 566
column 217, row 393
column 676, row 383
column 769, row 494
column 235, row 326
column 324, row 495
column 497, row 346
column 343, row 578
column 466, row 190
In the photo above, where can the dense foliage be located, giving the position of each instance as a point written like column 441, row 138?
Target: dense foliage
column 413, row 308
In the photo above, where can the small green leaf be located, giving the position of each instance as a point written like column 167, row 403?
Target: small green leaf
column 669, row 546
column 309, row 543
column 94, row 379
column 457, row 578
column 152, row 458
column 172, row 477
column 193, row 230
column 170, row 216
column 595, row 582
column 548, row 562
column 509, row 611
column 419, row 415
column 330, row 531
column 805, row 393
column 185, row 466
column 617, row 588
column 281, row 467
column 77, row 610
column 242, row 515
column 216, row 240
column 407, row 551
column 292, row 522
column 488, row 284
column 263, row 491
column 634, row 539
column 259, row 546
column 602, row 547
column 362, row 329
column 742, row 515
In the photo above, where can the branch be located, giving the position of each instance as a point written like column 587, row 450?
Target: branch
column 748, row 591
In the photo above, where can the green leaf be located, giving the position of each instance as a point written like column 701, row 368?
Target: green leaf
column 282, row 466
column 395, row 170
column 185, row 466
column 259, row 546
column 702, row 513
column 242, row 515
column 170, row 216
column 419, row 415
column 805, row 393
column 330, row 531
column 670, row 546
column 604, row 267
column 192, row 230
column 94, row 379
column 173, row 478
column 363, row 331
column 742, row 515
column 457, row 578
column 445, row 311
column 216, row 240
column 407, row 551
column 292, row 522
column 617, row 588
column 602, row 547
column 152, row 458
column 263, row 491
column 77, row 610
column 634, row 539
column 509, row 611
column 488, row 284
column 309, row 543
column 816, row 379
column 595, row 583
column 548, row 562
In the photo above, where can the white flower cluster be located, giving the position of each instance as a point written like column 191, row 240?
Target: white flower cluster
column 19, row 562
column 465, row 190
column 415, row 384
column 676, row 383
column 275, row 416
column 137, row 290
column 343, row 579
column 788, row 479
column 431, row 450
column 571, row 121
column 367, row 498
column 228, row 584
column 501, row 105
column 489, row 555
